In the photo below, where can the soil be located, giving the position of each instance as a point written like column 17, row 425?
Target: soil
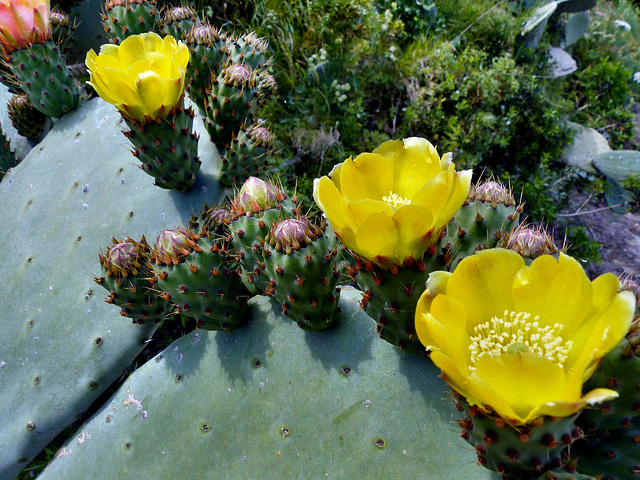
column 619, row 235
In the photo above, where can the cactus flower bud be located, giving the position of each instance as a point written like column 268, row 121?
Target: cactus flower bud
column 23, row 22
column 530, row 242
column 492, row 192
column 240, row 76
column 257, row 195
column 179, row 13
column 292, row 234
column 260, row 44
column 204, row 34
column 125, row 258
column 174, row 244
column 28, row 121
column 261, row 136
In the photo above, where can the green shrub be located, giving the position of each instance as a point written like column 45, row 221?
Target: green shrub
column 490, row 113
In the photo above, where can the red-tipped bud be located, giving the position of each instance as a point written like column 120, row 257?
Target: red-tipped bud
column 204, row 34
column 292, row 234
column 261, row 136
column 492, row 192
column 530, row 242
column 125, row 258
column 173, row 245
column 260, row 44
column 257, row 195
column 239, row 76
column 177, row 14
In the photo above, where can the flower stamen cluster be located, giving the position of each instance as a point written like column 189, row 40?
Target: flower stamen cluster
column 396, row 201
column 514, row 334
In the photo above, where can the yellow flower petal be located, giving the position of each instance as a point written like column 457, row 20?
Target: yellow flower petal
column 377, row 238
column 415, row 227
column 151, row 90
column 357, row 212
column 335, row 174
column 523, row 380
column 415, row 161
column 601, row 334
column 447, row 327
column 482, row 283
column 143, row 76
column 564, row 409
column 519, row 363
column 445, row 193
column 436, row 285
column 369, row 176
column 382, row 184
column 329, row 199
column 564, row 285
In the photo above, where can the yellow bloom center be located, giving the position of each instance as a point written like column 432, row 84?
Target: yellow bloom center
column 395, row 200
column 514, row 334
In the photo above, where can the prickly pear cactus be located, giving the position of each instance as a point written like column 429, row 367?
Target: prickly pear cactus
column 62, row 344
column 270, row 399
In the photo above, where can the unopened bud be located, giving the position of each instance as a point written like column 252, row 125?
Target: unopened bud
column 492, row 192
column 530, row 242
column 257, row 195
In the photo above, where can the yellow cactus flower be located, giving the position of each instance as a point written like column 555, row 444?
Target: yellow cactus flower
column 143, row 76
column 519, row 341
column 392, row 204
column 22, row 23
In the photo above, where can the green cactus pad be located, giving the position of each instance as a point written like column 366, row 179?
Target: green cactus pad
column 248, row 234
column 619, row 370
column 230, row 103
column 272, row 401
column 203, row 286
column 390, row 296
column 129, row 18
column 127, row 281
column 26, row 119
column 247, row 155
column 249, row 49
column 303, row 280
column 42, row 72
column 208, row 52
column 167, row 149
column 478, row 225
column 178, row 21
column 610, row 454
column 7, row 156
column 522, row 453
column 66, row 199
